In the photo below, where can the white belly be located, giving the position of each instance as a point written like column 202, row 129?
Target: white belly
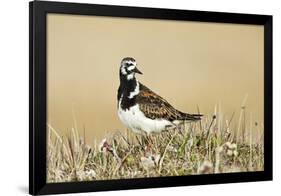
column 135, row 119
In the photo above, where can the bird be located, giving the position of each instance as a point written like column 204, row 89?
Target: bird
column 142, row 110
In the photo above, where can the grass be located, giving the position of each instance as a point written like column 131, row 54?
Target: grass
column 213, row 145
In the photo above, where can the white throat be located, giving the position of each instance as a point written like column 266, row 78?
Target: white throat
column 130, row 76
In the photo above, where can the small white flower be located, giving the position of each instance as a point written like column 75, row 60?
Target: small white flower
column 228, row 144
column 91, row 173
column 219, row 149
column 156, row 158
column 171, row 148
column 229, row 152
column 233, row 146
column 147, row 163
column 101, row 147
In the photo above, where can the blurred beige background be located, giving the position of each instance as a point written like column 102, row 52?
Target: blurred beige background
column 188, row 63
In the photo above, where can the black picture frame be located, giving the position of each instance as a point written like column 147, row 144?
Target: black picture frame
column 37, row 96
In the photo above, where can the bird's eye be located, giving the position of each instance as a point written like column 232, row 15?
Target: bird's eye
column 129, row 64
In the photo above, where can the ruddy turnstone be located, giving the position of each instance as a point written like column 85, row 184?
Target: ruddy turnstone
column 142, row 110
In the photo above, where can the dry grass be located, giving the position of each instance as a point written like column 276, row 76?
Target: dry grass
column 213, row 145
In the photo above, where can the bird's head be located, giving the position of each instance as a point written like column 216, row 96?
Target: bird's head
column 129, row 68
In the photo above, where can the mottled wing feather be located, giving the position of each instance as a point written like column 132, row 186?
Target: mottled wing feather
column 155, row 107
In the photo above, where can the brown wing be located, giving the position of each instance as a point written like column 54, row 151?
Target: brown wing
column 155, row 107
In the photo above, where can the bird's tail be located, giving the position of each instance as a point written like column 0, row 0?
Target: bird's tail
column 190, row 117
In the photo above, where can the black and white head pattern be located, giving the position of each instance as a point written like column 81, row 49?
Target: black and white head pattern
column 129, row 68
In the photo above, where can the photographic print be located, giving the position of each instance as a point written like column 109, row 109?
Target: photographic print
column 132, row 97
column 139, row 98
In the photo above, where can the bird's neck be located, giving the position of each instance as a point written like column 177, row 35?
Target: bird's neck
column 127, row 92
column 128, row 85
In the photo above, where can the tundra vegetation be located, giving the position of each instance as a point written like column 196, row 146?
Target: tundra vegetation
column 213, row 145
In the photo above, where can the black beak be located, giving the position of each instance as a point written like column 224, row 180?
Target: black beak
column 137, row 71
